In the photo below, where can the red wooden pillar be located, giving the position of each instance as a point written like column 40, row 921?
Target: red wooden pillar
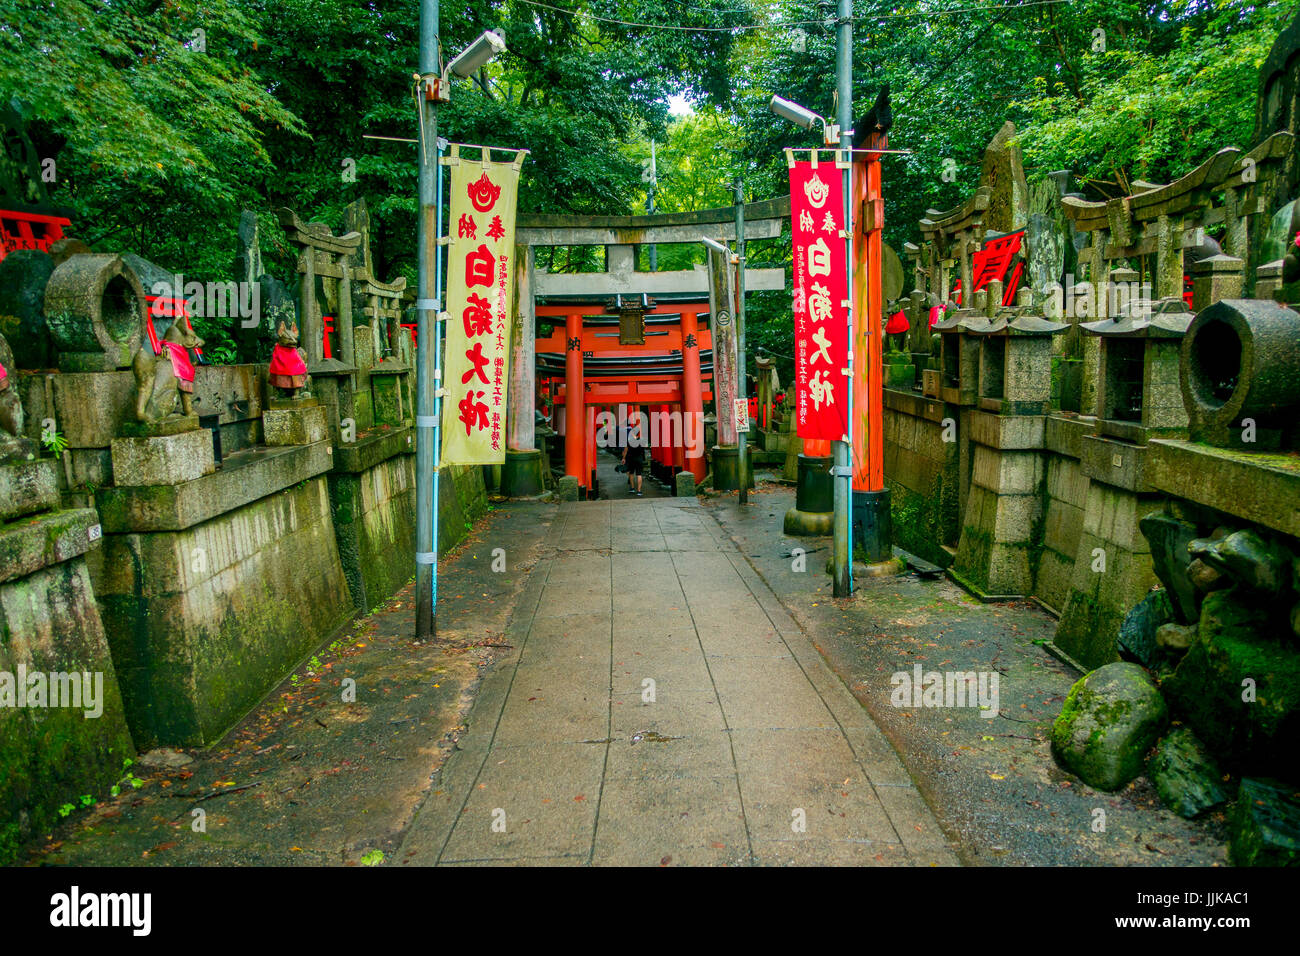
column 664, row 439
column 692, row 395
column 868, row 307
column 679, row 451
column 574, row 399
column 589, row 475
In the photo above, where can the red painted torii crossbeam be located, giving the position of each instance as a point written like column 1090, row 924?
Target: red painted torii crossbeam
column 665, row 374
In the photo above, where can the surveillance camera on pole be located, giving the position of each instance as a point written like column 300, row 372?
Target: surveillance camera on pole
column 804, row 118
column 470, row 60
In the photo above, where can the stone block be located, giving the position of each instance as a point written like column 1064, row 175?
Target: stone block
column 1007, row 472
column 301, row 425
column 1064, row 436
column 28, row 487
column 162, row 460
column 370, row 450
column 1115, row 463
column 685, row 484
column 1016, row 517
column 1007, row 431
column 90, row 408
column 568, row 488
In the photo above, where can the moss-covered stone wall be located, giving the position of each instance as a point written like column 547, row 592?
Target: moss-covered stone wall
column 921, row 473
column 204, row 621
column 52, row 756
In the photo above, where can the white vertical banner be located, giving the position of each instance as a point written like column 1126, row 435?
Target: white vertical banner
column 480, row 307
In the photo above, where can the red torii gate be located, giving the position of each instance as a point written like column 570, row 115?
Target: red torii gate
column 671, row 374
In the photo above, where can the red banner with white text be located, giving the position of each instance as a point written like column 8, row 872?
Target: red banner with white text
column 821, row 332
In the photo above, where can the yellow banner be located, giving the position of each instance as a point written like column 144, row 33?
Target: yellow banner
column 479, row 295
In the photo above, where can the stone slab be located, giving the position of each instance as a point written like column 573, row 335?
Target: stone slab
column 1064, row 436
column 1011, row 432
column 29, row 544
column 371, row 450
column 244, row 478
column 163, row 459
column 1256, row 486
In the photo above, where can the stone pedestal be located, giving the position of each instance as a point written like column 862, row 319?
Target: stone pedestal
column 294, row 422
column 331, row 386
column 162, row 459
column 814, row 502
column 685, row 484
column 1215, row 278
column 390, row 398
column 522, row 473
column 873, row 536
column 899, row 372
column 729, row 471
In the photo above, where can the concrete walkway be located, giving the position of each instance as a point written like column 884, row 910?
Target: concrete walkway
column 661, row 708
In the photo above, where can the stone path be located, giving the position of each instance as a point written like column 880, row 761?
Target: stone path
column 660, row 707
column 613, row 484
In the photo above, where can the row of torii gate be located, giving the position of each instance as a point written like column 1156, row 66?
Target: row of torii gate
column 591, row 350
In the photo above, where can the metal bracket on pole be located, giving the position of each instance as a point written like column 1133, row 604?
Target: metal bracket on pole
column 842, row 471
column 425, row 557
column 426, row 421
column 428, row 305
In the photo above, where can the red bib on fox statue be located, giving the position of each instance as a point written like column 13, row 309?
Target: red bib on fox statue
column 181, row 365
column 288, row 370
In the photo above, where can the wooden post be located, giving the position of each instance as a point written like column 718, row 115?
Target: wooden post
column 520, row 435
column 574, row 399
column 692, row 394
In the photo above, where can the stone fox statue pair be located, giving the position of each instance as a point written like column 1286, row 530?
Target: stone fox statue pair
column 162, row 378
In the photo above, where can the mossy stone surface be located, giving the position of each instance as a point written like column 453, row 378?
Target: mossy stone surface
column 1186, row 775
column 1265, row 824
column 1239, row 653
column 1110, row 720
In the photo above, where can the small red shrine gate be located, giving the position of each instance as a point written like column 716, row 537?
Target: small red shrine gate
column 669, row 376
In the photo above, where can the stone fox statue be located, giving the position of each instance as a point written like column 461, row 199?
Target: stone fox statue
column 11, row 409
column 161, row 379
column 288, row 371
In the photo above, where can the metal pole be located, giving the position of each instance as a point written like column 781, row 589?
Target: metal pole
column 740, row 333
column 843, row 545
column 427, row 365
column 650, row 205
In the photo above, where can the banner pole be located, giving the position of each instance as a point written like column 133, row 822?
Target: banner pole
column 842, row 563
column 437, row 387
column 742, row 381
column 426, row 309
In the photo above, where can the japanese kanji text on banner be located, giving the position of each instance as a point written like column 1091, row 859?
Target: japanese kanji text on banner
column 480, row 308
column 820, row 291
